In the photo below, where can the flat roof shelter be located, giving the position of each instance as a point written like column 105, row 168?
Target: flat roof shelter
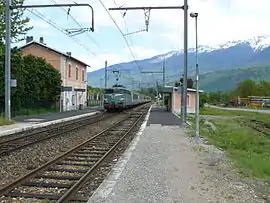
column 172, row 96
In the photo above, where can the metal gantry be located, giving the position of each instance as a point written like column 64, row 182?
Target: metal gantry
column 185, row 8
column 9, row 8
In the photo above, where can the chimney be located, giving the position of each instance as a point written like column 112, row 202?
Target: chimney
column 29, row 39
column 41, row 40
column 69, row 53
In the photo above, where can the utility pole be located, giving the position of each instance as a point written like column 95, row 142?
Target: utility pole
column 195, row 15
column 7, row 62
column 106, row 73
column 185, row 61
column 163, row 98
column 182, row 99
column 9, row 8
column 163, row 68
column 185, row 8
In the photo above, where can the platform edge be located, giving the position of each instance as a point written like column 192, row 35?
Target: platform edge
column 34, row 126
column 106, row 187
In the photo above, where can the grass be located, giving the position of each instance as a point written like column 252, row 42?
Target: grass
column 248, row 148
column 5, row 122
column 244, row 114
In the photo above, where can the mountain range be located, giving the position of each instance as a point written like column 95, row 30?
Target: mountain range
column 237, row 60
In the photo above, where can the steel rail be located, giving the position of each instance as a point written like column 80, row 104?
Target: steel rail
column 44, row 130
column 46, row 137
column 68, row 195
column 45, row 166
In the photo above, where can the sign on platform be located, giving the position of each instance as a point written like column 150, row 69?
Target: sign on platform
column 13, row 83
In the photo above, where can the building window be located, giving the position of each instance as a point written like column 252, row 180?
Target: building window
column 83, row 73
column 77, row 72
column 69, row 70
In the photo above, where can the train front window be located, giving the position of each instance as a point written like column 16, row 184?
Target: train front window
column 108, row 91
column 108, row 97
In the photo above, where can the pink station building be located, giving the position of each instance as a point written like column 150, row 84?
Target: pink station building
column 173, row 95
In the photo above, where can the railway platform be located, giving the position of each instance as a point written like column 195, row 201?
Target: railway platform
column 23, row 123
column 151, row 169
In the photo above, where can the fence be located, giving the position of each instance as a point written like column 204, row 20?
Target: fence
column 92, row 103
column 31, row 108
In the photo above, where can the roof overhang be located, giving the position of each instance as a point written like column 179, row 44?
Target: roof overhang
column 33, row 42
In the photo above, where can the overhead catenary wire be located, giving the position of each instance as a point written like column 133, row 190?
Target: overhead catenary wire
column 121, row 34
column 59, row 28
column 74, row 19
column 123, row 16
column 130, row 38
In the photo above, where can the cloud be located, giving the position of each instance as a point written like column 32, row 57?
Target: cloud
column 99, row 62
column 39, row 24
column 218, row 22
column 142, row 52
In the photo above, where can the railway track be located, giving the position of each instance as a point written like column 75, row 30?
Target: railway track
column 257, row 125
column 20, row 142
column 62, row 177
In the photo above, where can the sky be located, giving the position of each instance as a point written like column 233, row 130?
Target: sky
column 218, row 22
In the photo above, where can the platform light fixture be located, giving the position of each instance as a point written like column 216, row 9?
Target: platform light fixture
column 195, row 15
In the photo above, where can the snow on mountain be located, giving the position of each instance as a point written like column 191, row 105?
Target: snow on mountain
column 162, row 57
column 241, row 53
column 257, row 43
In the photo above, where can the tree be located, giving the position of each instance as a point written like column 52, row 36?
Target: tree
column 38, row 82
column 42, row 80
column 246, row 88
column 19, row 25
column 16, row 73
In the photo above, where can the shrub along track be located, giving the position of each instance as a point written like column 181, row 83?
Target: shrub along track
column 62, row 177
column 29, row 158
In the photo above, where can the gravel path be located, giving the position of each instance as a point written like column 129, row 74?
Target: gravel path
column 22, row 161
column 168, row 166
column 241, row 109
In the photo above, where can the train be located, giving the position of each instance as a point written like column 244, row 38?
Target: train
column 118, row 98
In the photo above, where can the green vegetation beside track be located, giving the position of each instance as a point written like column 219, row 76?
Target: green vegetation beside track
column 245, row 136
column 5, row 122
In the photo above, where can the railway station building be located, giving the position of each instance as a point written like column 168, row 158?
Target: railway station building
column 173, row 97
column 73, row 72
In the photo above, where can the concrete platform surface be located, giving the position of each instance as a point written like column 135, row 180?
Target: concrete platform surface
column 54, row 116
column 165, row 165
column 163, row 117
column 159, row 170
column 48, row 119
column 155, row 168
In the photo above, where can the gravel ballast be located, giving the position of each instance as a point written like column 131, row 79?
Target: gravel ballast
column 22, row 161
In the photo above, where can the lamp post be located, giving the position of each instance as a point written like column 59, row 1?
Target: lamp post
column 195, row 15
